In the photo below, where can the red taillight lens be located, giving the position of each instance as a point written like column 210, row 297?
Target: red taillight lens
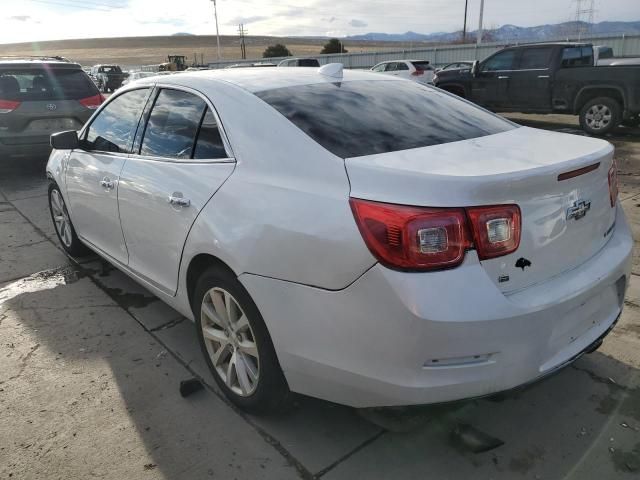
column 420, row 238
column 7, row 106
column 496, row 229
column 92, row 102
column 417, row 72
column 613, row 184
column 413, row 238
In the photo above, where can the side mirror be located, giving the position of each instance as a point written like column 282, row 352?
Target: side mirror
column 475, row 68
column 65, row 140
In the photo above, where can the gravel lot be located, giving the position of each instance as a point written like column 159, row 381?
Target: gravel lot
column 90, row 365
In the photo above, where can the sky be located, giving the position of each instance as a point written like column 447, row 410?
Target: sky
column 38, row 20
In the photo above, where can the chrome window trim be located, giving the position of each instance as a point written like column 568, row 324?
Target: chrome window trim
column 230, row 158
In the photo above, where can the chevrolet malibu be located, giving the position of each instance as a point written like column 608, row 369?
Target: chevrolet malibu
column 350, row 236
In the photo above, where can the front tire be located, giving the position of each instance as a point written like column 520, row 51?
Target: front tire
column 62, row 223
column 600, row 115
column 236, row 344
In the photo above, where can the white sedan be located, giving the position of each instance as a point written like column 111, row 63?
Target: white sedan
column 351, row 236
column 416, row 70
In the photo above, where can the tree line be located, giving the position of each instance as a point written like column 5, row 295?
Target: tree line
column 280, row 50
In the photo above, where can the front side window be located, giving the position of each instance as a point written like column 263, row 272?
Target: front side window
column 500, row 61
column 352, row 119
column 535, row 58
column 114, row 127
column 380, row 68
column 401, row 66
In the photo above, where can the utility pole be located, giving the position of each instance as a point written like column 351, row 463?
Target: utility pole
column 479, row 41
column 243, row 49
column 584, row 15
column 215, row 14
column 464, row 25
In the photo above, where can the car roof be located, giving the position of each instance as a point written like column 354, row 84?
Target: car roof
column 551, row 44
column 260, row 79
column 25, row 62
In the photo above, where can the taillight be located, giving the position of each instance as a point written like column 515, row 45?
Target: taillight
column 417, row 72
column 92, row 102
column 8, row 106
column 420, row 238
column 613, row 184
column 496, row 230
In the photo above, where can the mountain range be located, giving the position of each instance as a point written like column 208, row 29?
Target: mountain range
column 511, row 33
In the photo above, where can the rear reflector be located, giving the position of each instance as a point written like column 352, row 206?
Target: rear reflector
column 613, row 183
column 8, row 106
column 92, row 102
column 421, row 238
column 578, row 172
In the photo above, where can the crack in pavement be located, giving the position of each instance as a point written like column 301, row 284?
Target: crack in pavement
column 23, row 362
column 610, row 382
column 168, row 325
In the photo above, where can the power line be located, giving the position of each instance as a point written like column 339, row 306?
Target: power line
column 584, row 17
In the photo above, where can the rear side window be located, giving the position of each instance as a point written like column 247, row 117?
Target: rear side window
column 173, row 125
column 422, row 66
column 535, row 58
column 577, row 57
column 114, row 127
column 500, row 61
column 209, row 143
column 44, row 84
column 352, row 119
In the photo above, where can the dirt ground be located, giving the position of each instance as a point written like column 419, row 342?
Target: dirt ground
column 154, row 50
column 90, row 367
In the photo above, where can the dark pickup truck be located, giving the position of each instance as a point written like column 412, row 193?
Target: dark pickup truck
column 107, row 77
column 551, row 78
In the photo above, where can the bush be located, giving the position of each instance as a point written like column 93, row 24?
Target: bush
column 334, row 46
column 277, row 50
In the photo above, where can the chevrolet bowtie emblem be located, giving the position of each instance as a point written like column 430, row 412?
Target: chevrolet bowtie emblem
column 578, row 210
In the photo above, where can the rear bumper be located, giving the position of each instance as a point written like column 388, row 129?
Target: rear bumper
column 37, row 149
column 397, row 338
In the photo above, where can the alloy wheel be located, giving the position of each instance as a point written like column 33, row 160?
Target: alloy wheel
column 598, row 117
column 61, row 218
column 230, row 341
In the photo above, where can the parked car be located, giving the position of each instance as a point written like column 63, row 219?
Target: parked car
column 363, row 240
column 108, row 78
column 551, row 78
column 299, row 62
column 455, row 66
column 40, row 96
column 603, row 55
column 133, row 76
column 250, row 65
column 418, row 70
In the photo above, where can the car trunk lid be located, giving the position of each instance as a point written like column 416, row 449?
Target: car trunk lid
column 565, row 221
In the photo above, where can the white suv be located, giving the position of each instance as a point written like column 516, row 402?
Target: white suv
column 417, row 70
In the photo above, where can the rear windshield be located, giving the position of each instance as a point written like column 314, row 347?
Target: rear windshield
column 352, row 119
column 110, row 69
column 45, row 84
column 422, row 65
column 308, row 62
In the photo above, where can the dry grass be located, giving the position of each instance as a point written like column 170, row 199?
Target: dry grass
column 153, row 50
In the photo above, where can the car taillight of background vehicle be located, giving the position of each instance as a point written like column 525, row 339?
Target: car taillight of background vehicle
column 613, row 184
column 92, row 102
column 8, row 106
column 417, row 73
column 421, row 238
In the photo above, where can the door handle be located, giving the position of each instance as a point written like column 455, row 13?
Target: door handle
column 543, row 76
column 503, row 77
column 179, row 201
column 106, row 183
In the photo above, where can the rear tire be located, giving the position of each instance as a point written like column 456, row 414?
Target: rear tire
column 62, row 223
column 600, row 115
column 236, row 344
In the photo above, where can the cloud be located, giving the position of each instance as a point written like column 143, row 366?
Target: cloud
column 357, row 23
column 329, row 20
column 247, row 20
column 20, row 18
